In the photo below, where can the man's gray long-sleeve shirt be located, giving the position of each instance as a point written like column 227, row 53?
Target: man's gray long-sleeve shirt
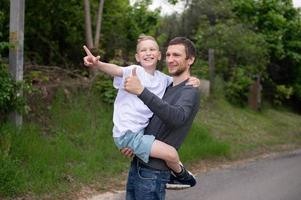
column 173, row 116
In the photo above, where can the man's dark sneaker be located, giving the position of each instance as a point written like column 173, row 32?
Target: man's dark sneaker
column 182, row 181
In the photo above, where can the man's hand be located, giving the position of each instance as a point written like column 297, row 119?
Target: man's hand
column 132, row 84
column 194, row 81
column 89, row 59
column 127, row 152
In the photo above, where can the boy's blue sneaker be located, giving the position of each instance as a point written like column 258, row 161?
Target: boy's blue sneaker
column 183, row 181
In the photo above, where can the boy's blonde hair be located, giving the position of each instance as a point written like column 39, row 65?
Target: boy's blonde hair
column 143, row 37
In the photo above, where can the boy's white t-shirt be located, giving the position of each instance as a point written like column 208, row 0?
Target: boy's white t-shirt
column 130, row 113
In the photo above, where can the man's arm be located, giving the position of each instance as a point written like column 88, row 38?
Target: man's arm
column 173, row 115
column 91, row 61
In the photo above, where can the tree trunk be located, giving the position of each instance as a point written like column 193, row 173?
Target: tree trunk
column 98, row 24
column 88, row 27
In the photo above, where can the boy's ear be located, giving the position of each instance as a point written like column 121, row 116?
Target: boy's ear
column 137, row 58
column 160, row 55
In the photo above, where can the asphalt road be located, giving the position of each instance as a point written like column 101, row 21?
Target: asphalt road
column 273, row 178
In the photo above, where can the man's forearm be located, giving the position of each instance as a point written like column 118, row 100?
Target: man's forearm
column 173, row 115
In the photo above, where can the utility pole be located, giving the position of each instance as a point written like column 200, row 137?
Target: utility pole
column 16, row 39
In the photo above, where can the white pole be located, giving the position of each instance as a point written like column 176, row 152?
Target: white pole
column 16, row 39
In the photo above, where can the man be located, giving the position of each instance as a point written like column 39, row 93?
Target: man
column 173, row 117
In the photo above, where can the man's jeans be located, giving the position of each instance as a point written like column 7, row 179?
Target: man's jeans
column 145, row 183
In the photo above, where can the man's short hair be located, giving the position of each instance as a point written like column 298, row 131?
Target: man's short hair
column 188, row 44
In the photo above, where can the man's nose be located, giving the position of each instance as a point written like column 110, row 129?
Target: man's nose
column 169, row 59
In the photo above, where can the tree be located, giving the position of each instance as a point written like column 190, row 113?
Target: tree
column 279, row 22
column 88, row 24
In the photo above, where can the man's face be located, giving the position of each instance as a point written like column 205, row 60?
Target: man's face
column 176, row 60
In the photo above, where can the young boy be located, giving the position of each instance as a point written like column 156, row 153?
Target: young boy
column 131, row 115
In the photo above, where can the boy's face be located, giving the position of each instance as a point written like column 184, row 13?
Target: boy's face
column 148, row 54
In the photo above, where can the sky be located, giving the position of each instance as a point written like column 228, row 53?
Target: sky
column 167, row 8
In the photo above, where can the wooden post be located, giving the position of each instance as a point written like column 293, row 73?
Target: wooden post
column 254, row 98
column 16, row 39
column 211, row 69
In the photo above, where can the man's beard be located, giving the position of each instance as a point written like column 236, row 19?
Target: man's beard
column 178, row 72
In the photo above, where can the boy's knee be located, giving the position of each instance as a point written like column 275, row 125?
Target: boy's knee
column 173, row 156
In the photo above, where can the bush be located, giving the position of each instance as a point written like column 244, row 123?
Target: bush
column 237, row 88
column 10, row 98
column 6, row 90
column 103, row 84
column 282, row 94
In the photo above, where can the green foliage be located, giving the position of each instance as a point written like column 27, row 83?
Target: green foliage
column 297, row 90
column 128, row 23
column 10, row 94
column 6, row 89
column 37, row 76
column 282, row 93
column 200, row 69
column 237, row 88
column 10, row 99
column 235, row 45
column 280, row 24
column 103, row 85
column 54, row 32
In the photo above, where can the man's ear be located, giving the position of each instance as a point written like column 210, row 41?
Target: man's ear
column 191, row 60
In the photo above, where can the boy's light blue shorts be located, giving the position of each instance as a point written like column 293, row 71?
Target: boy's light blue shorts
column 140, row 144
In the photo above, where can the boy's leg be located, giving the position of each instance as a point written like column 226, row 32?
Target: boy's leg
column 181, row 178
column 167, row 153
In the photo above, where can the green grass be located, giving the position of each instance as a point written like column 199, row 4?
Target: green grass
column 73, row 146
column 76, row 148
column 200, row 144
column 250, row 132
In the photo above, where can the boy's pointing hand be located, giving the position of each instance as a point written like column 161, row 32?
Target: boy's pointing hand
column 89, row 59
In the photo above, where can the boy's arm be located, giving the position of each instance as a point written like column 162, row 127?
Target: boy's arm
column 91, row 61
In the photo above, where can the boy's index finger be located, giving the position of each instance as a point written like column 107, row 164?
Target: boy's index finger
column 88, row 52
